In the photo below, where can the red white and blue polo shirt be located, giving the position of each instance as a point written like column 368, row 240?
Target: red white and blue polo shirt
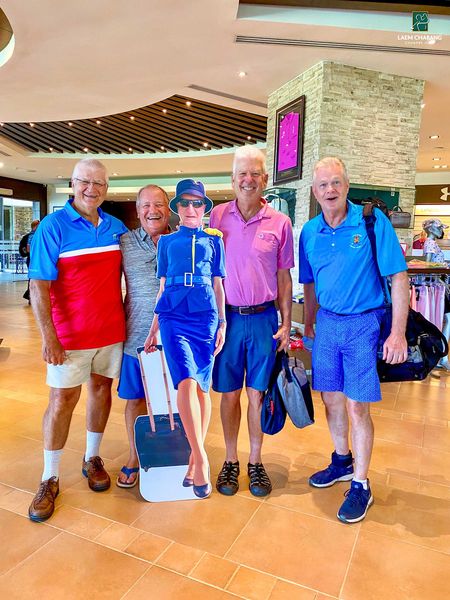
column 83, row 263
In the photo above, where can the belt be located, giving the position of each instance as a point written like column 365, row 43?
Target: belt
column 188, row 280
column 250, row 310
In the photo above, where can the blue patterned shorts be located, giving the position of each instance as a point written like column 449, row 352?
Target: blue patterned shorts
column 344, row 357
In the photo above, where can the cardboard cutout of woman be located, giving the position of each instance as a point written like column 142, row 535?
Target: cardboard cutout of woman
column 190, row 313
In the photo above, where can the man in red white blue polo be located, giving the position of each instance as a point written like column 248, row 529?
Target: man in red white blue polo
column 76, row 297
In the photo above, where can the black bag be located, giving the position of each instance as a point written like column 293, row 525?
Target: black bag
column 426, row 343
column 23, row 246
column 273, row 411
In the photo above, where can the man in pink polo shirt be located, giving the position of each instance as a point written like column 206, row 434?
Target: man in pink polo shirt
column 259, row 255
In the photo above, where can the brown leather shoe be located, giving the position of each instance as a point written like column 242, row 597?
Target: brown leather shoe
column 98, row 478
column 43, row 503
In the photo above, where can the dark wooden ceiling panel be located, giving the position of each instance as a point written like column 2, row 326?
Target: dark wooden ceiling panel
column 177, row 124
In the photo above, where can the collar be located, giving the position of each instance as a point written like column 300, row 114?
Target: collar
column 144, row 235
column 189, row 231
column 74, row 215
column 261, row 214
column 353, row 219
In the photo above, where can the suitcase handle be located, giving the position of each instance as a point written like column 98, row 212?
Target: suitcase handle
column 147, row 395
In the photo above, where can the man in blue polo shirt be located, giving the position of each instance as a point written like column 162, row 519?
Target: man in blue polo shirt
column 339, row 273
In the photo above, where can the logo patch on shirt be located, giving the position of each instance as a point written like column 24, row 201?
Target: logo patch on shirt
column 356, row 241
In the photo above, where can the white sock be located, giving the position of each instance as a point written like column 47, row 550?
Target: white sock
column 363, row 482
column 93, row 440
column 52, row 458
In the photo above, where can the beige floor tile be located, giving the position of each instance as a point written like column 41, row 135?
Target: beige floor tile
column 411, row 517
column 24, row 538
column 77, row 521
column 116, row 504
column 288, row 591
column 267, row 545
column 435, row 467
column 383, row 567
column 388, row 428
column 16, row 501
column 437, row 438
column 66, row 565
column 170, row 585
column 427, row 401
column 214, row 570
column 211, row 525
column 251, row 584
column 180, row 558
column 147, row 546
column 434, row 490
column 392, row 457
column 292, row 490
column 118, row 536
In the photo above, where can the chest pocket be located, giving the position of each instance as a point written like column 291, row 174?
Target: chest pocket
column 265, row 241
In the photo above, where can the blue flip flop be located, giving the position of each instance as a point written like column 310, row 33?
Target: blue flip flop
column 128, row 471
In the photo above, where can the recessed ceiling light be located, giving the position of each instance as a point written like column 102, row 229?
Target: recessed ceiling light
column 205, row 144
column 50, row 148
column 31, row 124
column 443, row 166
column 436, row 158
column 2, row 165
column 85, row 149
column 164, row 110
column 162, row 148
column 131, row 118
column 98, row 122
column 242, row 74
column 178, row 171
column 130, row 149
column 249, row 137
column 1, row 124
column 434, row 137
column 70, row 123
column 436, row 167
column 115, row 174
column 423, row 105
column 60, row 176
column 225, row 197
column 188, row 103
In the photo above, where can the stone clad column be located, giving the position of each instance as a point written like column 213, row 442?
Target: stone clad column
column 369, row 119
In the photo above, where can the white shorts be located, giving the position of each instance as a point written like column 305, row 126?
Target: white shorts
column 79, row 365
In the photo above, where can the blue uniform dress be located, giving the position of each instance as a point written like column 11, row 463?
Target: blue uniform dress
column 187, row 310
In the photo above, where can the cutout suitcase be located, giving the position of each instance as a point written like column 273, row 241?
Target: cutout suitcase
column 161, row 443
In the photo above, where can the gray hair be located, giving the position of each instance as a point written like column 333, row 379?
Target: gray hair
column 151, row 186
column 91, row 163
column 330, row 161
column 248, row 151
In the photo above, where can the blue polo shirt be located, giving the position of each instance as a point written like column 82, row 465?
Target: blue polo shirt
column 340, row 263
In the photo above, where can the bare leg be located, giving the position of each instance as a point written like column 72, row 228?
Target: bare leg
column 133, row 409
column 98, row 403
column 205, row 412
column 337, row 418
column 230, row 413
column 362, row 436
column 191, row 417
column 254, row 424
column 57, row 417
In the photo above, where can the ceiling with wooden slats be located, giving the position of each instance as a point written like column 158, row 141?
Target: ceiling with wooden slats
column 177, row 124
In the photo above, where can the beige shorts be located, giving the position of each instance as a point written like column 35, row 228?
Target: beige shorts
column 79, row 365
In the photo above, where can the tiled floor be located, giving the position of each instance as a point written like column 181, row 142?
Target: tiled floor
column 288, row 546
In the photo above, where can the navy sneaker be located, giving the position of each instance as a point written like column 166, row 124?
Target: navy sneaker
column 356, row 503
column 340, row 469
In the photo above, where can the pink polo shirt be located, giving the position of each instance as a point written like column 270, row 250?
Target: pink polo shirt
column 254, row 251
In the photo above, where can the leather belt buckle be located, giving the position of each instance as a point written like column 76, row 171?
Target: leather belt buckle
column 188, row 280
column 244, row 310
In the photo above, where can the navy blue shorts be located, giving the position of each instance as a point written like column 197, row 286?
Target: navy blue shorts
column 130, row 381
column 249, row 352
column 344, row 357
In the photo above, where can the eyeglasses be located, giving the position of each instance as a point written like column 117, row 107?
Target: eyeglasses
column 86, row 183
column 195, row 203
